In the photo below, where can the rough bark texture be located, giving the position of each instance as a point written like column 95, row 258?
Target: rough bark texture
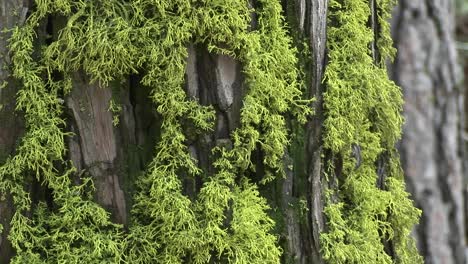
column 11, row 126
column 426, row 69
column 98, row 148
column 316, row 22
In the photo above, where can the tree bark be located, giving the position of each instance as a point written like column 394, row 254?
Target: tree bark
column 431, row 149
column 97, row 147
column 316, row 22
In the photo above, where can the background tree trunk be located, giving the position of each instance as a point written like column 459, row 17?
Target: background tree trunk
column 432, row 149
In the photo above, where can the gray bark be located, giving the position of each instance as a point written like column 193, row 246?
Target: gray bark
column 317, row 22
column 426, row 69
column 98, row 148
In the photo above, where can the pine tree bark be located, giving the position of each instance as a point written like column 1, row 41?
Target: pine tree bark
column 432, row 149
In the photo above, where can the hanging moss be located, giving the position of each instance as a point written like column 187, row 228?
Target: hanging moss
column 363, row 115
column 109, row 40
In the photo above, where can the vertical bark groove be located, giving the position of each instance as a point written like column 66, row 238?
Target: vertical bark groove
column 317, row 10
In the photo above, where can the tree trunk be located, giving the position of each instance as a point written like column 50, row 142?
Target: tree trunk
column 136, row 125
column 432, row 148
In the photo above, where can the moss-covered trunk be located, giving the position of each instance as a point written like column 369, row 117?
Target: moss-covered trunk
column 182, row 132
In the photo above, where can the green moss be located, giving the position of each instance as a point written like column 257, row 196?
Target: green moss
column 109, row 40
column 363, row 109
column 228, row 222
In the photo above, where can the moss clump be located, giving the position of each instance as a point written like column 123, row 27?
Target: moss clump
column 363, row 112
column 79, row 230
column 109, row 40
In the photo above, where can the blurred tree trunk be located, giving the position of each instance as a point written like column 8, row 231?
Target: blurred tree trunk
column 432, row 148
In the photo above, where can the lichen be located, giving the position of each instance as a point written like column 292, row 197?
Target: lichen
column 362, row 110
column 108, row 40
